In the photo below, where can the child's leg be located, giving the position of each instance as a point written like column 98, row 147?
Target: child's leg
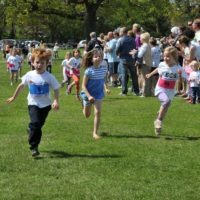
column 37, row 120
column 16, row 76
column 165, row 103
column 76, row 82
column 97, row 115
column 11, row 77
column 87, row 110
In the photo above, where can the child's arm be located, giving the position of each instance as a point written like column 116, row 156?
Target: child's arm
column 84, row 83
column 55, row 104
column 19, row 88
column 155, row 71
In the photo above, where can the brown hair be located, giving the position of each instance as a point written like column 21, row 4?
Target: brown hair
column 87, row 59
column 42, row 53
column 76, row 50
column 184, row 40
column 153, row 41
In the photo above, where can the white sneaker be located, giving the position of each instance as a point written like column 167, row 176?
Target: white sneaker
column 158, row 127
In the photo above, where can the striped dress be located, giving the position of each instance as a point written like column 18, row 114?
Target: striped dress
column 96, row 80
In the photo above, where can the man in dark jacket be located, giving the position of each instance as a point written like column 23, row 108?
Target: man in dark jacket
column 94, row 42
column 124, row 46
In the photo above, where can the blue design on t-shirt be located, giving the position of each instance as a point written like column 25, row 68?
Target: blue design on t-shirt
column 39, row 89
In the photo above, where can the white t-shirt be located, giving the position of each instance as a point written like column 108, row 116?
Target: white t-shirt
column 75, row 64
column 39, row 87
column 197, row 49
column 167, row 79
column 194, row 78
column 13, row 62
column 156, row 56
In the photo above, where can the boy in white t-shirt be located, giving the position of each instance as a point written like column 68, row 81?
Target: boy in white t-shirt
column 39, row 82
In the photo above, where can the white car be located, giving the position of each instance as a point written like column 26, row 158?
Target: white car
column 81, row 44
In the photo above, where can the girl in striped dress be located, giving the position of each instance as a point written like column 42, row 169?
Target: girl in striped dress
column 93, row 86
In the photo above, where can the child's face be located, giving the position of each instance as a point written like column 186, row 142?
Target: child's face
column 169, row 59
column 76, row 54
column 194, row 67
column 96, row 59
column 40, row 65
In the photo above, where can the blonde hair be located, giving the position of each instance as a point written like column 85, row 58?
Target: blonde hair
column 195, row 65
column 145, row 37
column 173, row 52
column 137, row 27
column 42, row 53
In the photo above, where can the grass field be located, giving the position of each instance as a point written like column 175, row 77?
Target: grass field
column 130, row 163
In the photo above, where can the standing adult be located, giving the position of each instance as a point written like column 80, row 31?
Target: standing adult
column 124, row 46
column 113, row 62
column 136, row 28
column 94, row 42
column 196, row 28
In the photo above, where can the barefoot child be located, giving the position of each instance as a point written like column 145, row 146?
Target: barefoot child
column 39, row 82
column 93, row 86
column 169, row 72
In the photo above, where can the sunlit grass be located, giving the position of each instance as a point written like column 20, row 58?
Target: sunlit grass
column 128, row 163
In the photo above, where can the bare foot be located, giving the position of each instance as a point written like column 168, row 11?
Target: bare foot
column 96, row 137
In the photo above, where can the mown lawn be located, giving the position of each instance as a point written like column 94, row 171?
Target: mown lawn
column 128, row 163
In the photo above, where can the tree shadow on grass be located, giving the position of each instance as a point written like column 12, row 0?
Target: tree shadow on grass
column 163, row 136
column 62, row 154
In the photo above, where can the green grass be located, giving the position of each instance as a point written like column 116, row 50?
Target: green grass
column 128, row 163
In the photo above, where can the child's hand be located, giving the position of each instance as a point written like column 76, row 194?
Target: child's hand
column 10, row 100
column 148, row 76
column 91, row 99
column 55, row 105
column 107, row 91
column 133, row 52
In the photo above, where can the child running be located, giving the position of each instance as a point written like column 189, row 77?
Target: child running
column 93, row 86
column 13, row 64
column 74, row 65
column 39, row 82
column 66, row 70
column 169, row 72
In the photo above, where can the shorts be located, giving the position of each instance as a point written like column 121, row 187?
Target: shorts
column 113, row 67
column 164, row 100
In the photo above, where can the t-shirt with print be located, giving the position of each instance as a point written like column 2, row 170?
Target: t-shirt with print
column 39, row 87
column 13, row 62
column 167, row 79
column 75, row 64
column 65, row 67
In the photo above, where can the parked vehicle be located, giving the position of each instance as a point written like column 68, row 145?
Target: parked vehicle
column 32, row 43
column 81, row 44
column 72, row 43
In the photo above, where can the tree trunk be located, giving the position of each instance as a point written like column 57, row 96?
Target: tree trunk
column 90, row 20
